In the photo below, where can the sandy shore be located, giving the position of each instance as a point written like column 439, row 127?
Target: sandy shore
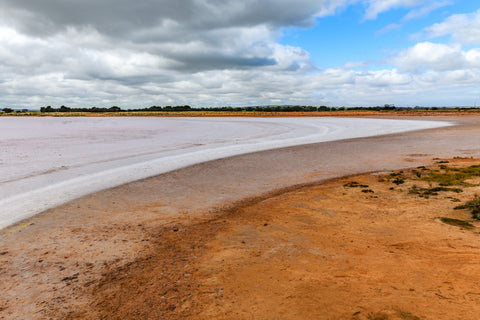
column 59, row 264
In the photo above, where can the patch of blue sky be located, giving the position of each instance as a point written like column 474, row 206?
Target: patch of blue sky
column 348, row 37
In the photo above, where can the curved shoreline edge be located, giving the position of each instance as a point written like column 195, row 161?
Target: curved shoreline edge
column 26, row 205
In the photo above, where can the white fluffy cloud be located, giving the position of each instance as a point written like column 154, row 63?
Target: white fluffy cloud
column 464, row 28
column 427, row 55
column 440, row 57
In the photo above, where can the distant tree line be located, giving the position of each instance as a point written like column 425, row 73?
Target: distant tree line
column 285, row 108
column 10, row 110
column 386, row 107
column 67, row 109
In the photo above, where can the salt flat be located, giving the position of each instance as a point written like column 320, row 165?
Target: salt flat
column 47, row 161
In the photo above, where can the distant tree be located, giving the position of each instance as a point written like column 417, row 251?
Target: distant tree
column 7, row 110
column 46, row 109
column 114, row 109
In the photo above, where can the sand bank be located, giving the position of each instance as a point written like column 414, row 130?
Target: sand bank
column 54, row 264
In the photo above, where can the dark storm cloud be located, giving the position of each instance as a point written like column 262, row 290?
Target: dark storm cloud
column 120, row 18
column 194, row 34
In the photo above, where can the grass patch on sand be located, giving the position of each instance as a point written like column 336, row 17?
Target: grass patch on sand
column 427, row 192
column 397, row 178
column 453, row 176
column 457, row 223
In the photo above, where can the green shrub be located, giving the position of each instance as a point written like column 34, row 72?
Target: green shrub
column 355, row 184
column 473, row 206
column 368, row 191
column 426, row 192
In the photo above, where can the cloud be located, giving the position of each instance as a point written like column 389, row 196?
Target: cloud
column 427, row 9
column 387, row 29
column 440, row 73
column 375, row 7
column 156, row 51
column 159, row 19
column 464, row 28
column 427, row 55
column 192, row 34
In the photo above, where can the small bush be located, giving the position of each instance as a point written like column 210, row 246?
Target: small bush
column 453, row 199
column 417, row 173
column 355, row 184
column 473, row 206
column 399, row 181
column 368, row 191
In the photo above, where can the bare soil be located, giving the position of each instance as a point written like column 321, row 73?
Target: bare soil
column 326, row 251
column 320, row 252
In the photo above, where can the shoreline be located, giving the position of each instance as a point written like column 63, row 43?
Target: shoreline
column 67, row 248
column 76, row 163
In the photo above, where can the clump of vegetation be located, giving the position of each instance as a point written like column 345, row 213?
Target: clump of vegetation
column 396, row 177
column 417, row 173
column 398, row 181
column 454, row 177
column 377, row 316
column 355, row 184
column 457, row 223
column 453, row 199
column 407, row 315
column 368, row 191
column 427, row 192
column 473, row 206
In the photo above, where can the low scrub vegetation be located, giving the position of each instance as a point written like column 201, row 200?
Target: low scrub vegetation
column 453, row 176
column 427, row 192
column 473, row 206
column 355, row 184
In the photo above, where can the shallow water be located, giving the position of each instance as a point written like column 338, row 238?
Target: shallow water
column 45, row 162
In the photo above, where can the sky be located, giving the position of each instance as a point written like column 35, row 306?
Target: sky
column 102, row 53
